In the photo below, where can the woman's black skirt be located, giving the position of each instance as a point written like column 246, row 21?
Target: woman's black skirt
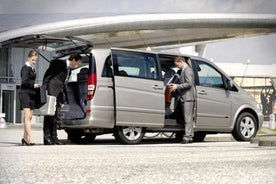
column 27, row 101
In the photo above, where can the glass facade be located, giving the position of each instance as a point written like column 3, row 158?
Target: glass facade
column 11, row 61
column 6, row 75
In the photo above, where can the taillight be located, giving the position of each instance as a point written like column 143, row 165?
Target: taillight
column 91, row 85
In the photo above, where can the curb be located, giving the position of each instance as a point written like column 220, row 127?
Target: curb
column 267, row 143
column 21, row 126
column 265, row 140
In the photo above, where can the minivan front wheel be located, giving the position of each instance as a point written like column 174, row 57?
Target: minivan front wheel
column 129, row 135
column 245, row 127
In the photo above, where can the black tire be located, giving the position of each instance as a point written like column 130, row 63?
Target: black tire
column 178, row 137
column 74, row 135
column 245, row 127
column 129, row 135
column 88, row 138
column 199, row 136
column 79, row 137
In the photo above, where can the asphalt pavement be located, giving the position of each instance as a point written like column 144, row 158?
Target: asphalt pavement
column 218, row 160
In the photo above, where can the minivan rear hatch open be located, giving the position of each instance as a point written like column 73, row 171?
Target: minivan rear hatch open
column 79, row 90
column 60, row 46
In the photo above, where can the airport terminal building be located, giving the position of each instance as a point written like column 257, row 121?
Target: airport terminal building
column 257, row 80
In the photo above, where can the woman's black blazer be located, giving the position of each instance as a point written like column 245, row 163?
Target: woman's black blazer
column 28, row 76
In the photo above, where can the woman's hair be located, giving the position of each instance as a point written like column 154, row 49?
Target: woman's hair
column 32, row 53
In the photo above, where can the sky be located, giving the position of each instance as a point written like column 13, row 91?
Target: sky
column 136, row 6
column 14, row 13
column 21, row 13
column 257, row 49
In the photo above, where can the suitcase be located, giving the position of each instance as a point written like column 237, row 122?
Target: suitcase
column 168, row 95
column 40, row 97
column 48, row 109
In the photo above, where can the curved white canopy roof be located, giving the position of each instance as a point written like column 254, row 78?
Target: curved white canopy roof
column 154, row 29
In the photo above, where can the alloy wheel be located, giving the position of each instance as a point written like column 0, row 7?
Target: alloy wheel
column 247, row 127
column 132, row 133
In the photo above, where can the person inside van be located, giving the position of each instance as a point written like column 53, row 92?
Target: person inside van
column 186, row 98
column 55, row 79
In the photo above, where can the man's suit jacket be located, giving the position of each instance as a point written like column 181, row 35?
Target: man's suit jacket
column 54, row 79
column 28, row 80
column 186, row 88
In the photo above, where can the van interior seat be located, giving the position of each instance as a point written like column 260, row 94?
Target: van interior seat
column 123, row 73
column 168, row 75
column 82, row 81
column 83, row 74
column 76, row 96
column 171, row 76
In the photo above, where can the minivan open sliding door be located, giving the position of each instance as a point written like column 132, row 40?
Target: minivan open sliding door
column 139, row 90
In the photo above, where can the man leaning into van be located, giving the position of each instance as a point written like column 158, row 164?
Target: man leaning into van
column 55, row 79
column 186, row 91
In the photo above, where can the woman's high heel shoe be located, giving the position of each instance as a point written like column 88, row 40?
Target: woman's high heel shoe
column 25, row 142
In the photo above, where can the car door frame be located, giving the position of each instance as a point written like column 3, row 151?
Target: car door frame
column 227, row 93
column 155, row 116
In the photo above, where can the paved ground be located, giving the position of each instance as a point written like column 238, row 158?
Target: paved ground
column 153, row 161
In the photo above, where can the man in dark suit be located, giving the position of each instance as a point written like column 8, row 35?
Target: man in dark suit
column 186, row 91
column 55, row 79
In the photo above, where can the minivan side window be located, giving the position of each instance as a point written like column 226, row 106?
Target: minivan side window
column 135, row 64
column 208, row 76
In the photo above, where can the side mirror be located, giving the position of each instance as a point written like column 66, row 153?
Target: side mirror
column 228, row 84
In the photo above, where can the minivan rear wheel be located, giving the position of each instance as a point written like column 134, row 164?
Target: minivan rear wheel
column 245, row 127
column 129, row 135
column 79, row 137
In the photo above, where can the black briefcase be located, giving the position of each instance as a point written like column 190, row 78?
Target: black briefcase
column 40, row 97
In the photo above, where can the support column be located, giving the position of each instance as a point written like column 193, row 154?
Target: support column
column 201, row 50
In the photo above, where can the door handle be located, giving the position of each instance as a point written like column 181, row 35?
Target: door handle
column 157, row 87
column 202, row 92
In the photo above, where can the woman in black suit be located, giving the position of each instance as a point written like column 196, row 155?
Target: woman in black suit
column 27, row 95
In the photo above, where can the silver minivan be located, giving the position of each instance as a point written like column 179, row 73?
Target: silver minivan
column 122, row 91
column 126, row 97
